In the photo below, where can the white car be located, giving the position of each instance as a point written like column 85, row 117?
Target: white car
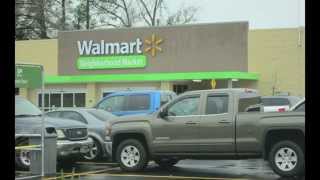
column 300, row 106
column 279, row 103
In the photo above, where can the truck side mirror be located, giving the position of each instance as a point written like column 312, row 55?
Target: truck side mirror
column 163, row 113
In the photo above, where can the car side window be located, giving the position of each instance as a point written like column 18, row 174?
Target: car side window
column 217, row 104
column 73, row 115
column 138, row 102
column 300, row 108
column 53, row 114
column 113, row 104
column 185, row 106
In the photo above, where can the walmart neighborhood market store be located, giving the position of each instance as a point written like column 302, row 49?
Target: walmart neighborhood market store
column 90, row 64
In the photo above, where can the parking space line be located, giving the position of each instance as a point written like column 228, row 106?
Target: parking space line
column 97, row 163
column 27, row 177
column 79, row 174
column 168, row 177
column 27, row 147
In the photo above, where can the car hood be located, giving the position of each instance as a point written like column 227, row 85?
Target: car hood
column 33, row 124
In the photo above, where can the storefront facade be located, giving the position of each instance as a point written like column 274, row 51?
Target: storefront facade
column 84, row 66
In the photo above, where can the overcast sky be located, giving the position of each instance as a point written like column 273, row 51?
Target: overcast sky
column 260, row 13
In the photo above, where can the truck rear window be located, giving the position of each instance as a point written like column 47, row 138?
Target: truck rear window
column 138, row 102
column 249, row 104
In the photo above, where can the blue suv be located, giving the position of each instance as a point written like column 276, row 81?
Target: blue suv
column 135, row 102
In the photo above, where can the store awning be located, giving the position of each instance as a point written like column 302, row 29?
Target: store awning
column 151, row 77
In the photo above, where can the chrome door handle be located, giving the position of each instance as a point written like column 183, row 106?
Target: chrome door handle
column 224, row 121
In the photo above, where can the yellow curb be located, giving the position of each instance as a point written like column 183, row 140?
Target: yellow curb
column 168, row 177
column 26, row 147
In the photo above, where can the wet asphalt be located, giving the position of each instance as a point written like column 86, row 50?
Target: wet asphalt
column 185, row 169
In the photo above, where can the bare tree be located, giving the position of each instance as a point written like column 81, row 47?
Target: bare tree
column 117, row 13
column 149, row 12
column 43, row 18
column 124, row 13
column 63, row 19
column 88, row 14
column 182, row 16
column 156, row 13
column 31, row 19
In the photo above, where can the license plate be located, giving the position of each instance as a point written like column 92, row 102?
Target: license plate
column 84, row 149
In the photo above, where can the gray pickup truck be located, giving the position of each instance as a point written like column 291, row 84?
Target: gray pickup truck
column 211, row 124
column 72, row 136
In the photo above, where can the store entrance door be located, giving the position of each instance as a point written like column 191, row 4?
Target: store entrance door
column 180, row 88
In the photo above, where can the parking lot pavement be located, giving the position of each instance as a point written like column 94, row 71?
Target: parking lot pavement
column 186, row 169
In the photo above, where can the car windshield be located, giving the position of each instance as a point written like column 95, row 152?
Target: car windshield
column 25, row 108
column 100, row 114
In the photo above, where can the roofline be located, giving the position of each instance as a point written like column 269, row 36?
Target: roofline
column 160, row 27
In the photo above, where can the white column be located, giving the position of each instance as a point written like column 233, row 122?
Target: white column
column 91, row 94
column 165, row 85
column 229, row 83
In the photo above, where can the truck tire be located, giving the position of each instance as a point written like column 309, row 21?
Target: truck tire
column 287, row 159
column 95, row 152
column 131, row 155
column 166, row 163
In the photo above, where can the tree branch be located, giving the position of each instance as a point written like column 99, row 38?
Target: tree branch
column 126, row 12
column 146, row 9
column 112, row 13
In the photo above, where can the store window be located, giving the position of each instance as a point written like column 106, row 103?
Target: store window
column 180, row 88
column 55, row 100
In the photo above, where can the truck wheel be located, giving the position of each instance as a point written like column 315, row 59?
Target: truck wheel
column 287, row 159
column 131, row 155
column 166, row 162
column 22, row 158
column 95, row 152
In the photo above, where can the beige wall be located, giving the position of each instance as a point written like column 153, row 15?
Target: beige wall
column 275, row 54
column 43, row 52
column 279, row 57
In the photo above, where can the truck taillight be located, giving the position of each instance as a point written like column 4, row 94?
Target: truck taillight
column 281, row 110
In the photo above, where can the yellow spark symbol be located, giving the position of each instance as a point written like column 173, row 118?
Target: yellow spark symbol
column 153, row 45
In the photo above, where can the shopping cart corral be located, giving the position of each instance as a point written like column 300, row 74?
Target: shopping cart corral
column 32, row 152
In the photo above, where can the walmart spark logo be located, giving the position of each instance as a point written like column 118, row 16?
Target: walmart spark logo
column 153, row 45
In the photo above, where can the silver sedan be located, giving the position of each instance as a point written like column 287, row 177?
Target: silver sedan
column 97, row 123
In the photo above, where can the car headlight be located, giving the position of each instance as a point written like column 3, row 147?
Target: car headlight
column 60, row 134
